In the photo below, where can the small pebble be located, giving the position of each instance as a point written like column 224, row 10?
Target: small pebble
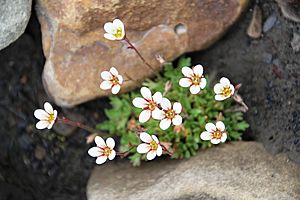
column 267, row 58
column 255, row 27
column 296, row 42
column 269, row 23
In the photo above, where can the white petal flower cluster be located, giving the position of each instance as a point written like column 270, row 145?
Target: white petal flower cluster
column 112, row 80
column 224, row 89
column 47, row 116
column 158, row 108
column 114, row 30
column 103, row 150
column 151, row 146
column 214, row 133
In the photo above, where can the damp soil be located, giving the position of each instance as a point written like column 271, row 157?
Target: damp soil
column 45, row 165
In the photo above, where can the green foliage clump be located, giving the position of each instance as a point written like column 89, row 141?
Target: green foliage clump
column 184, row 140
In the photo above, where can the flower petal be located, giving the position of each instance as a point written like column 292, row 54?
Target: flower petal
column 165, row 124
column 41, row 114
column 55, row 115
column 206, row 135
column 100, row 142
column 224, row 137
column 215, row 141
column 114, row 71
column 145, row 137
column 232, row 89
column 94, row 151
column 48, row 108
column 159, row 150
column 110, row 142
column 158, row 114
column 105, row 75
column 115, row 89
column 203, row 83
column 220, row 125
column 139, row 102
column 187, row 71
column 177, row 107
column 195, row 89
column 177, row 120
column 220, row 97
column 101, row 159
column 210, row 127
column 165, row 104
column 224, row 81
column 185, row 82
column 119, row 24
column 151, row 155
column 198, row 70
column 157, row 97
column 105, row 85
column 155, row 138
column 146, row 93
column 120, row 78
column 218, row 88
column 143, row 148
column 50, row 124
column 42, row 124
column 108, row 27
column 109, row 36
column 112, row 155
column 144, row 116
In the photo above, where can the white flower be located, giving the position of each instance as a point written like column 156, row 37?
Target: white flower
column 112, row 80
column 149, row 103
column 193, row 78
column 103, row 150
column 114, row 30
column 169, row 114
column 151, row 146
column 47, row 116
column 223, row 89
column 214, row 133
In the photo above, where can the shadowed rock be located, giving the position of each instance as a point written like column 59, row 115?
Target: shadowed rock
column 240, row 170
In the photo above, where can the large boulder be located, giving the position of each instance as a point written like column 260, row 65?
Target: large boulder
column 14, row 16
column 233, row 171
column 77, row 52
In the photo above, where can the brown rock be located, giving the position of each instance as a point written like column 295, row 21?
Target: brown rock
column 255, row 27
column 77, row 52
column 233, row 171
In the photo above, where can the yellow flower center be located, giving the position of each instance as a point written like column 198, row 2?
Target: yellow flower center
column 115, row 80
column 170, row 114
column 217, row 134
column 106, row 151
column 153, row 145
column 50, row 118
column 226, row 91
column 119, row 33
column 152, row 105
column 195, row 80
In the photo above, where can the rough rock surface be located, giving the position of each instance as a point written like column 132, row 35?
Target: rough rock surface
column 77, row 52
column 240, row 170
column 14, row 16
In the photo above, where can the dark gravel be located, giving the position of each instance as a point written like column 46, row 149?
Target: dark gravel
column 44, row 165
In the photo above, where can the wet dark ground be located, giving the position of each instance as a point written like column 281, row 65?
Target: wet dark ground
column 44, row 165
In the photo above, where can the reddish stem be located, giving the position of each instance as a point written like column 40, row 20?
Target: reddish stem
column 130, row 45
column 67, row 121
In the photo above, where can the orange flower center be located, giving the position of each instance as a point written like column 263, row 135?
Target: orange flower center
column 226, row 91
column 152, row 105
column 115, row 80
column 118, row 33
column 50, row 118
column 153, row 145
column 195, row 80
column 170, row 114
column 106, row 151
column 217, row 134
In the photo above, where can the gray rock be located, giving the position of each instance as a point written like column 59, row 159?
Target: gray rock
column 240, row 170
column 290, row 9
column 296, row 42
column 269, row 23
column 14, row 16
